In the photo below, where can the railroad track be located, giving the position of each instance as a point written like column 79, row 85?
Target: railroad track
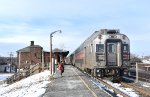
column 142, row 90
column 116, row 91
column 137, row 87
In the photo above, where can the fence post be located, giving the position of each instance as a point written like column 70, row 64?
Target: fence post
column 137, row 75
column 42, row 60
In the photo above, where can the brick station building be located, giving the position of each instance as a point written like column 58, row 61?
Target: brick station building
column 34, row 54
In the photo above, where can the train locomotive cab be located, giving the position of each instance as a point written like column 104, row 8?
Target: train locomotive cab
column 105, row 53
column 112, row 53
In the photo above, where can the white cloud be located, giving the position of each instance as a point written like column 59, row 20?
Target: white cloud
column 24, row 20
column 61, row 9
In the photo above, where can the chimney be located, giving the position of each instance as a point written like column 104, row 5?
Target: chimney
column 32, row 43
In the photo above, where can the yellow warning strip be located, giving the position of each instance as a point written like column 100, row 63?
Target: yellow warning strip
column 86, row 84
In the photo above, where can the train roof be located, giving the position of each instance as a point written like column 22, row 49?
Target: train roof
column 103, row 32
column 109, row 31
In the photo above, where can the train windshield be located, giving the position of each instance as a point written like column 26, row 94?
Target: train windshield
column 125, row 48
column 99, row 47
column 111, row 48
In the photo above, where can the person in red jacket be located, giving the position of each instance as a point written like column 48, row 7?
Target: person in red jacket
column 61, row 68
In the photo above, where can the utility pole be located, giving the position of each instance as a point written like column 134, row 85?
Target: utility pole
column 51, row 35
column 11, row 56
column 42, row 60
column 19, row 61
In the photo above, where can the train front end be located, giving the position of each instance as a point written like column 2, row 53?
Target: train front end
column 112, row 53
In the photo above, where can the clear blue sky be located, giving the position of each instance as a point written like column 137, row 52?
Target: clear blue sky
column 24, row 20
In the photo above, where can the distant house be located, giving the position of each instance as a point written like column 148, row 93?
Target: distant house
column 3, row 67
column 58, row 54
column 7, row 68
column 8, row 64
column 46, row 57
column 30, row 55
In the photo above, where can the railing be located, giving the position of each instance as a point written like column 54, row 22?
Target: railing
column 140, row 72
column 34, row 69
column 15, row 77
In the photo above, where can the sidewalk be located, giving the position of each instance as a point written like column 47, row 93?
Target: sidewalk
column 72, row 84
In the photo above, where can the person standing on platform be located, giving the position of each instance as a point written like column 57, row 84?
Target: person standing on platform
column 61, row 68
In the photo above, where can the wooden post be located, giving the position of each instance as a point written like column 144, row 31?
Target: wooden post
column 51, row 54
column 42, row 60
column 19, row 62
column 137, row 75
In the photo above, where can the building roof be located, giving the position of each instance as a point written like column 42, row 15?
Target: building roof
column 60, row 51
column 27, row 49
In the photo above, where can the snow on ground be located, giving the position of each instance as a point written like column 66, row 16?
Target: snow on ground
column 130, row 92
column 33, row 86
column 146, row 61
column 4, row 76
column 145, row 84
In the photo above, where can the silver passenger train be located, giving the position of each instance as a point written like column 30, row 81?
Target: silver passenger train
column 105, row 53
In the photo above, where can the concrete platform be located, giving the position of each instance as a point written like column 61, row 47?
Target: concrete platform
column 73, row 84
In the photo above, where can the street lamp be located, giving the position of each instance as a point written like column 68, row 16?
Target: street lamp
column 51, row 35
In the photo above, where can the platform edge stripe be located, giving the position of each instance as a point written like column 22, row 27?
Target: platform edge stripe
column 86, row 85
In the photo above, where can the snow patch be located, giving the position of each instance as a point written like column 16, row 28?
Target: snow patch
column 130, row 92
column 33, row 86
column 5, row 76
column 145, row 84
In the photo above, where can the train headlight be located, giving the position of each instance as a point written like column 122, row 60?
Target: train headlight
column 97, row 71
column 112, row 36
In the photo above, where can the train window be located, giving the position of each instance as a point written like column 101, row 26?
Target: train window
column 111, row 48
column 125, row 47
column 99, row 47
column 112, row 31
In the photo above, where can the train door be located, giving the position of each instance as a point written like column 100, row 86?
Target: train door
column 113, row 53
